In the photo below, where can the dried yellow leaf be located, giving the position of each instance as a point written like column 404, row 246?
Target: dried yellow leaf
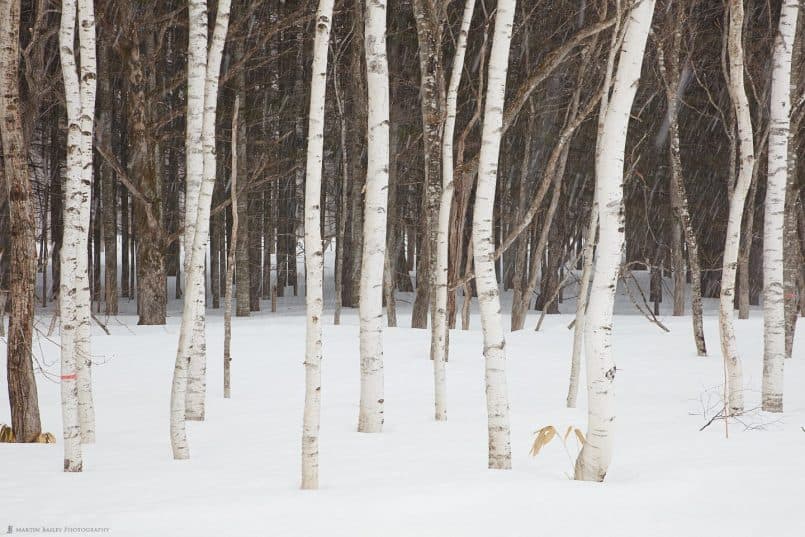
column 544, row 435
column 6, row 434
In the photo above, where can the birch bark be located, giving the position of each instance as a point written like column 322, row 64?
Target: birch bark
column 314, row 251
column 68, row 314
column 439, row 329
column 774, row 220
column 195, row 270
column 230, row 258
column 497, row 396
column 370, row 419
column 593, row 460
column 189, row 377
column 194, row 154
column 746, row 159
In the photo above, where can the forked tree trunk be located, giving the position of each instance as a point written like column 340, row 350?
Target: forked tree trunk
column 774, row 221
column 593, row 460
column 497, row 395
column 189, row 377
column 23, row 399
column 68, row 295
column 370, row 419
column 314, row 252
column 197, row 372
column 75, row 288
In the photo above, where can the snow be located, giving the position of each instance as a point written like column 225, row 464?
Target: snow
column 418, row 477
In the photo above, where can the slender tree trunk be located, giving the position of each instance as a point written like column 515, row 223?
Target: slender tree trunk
column 231, row 261
column 188, row 390
column 581, row 307
column 370, row 419
column 596, row 453
column 68, row 295
column 774, row 221
column 314, row 252
column 343, row 201
column 497, row 395
column 745, row 249
column 679, row 197
column 242, row 273
column 439, row 336
column 22, row 393
column 80, row 89
column 746, row 160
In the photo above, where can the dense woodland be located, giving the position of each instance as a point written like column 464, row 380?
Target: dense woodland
column 132, row 230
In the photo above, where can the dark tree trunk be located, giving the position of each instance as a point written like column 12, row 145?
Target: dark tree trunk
column 22, row 393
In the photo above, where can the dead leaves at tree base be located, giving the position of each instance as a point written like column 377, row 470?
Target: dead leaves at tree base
column 7, row 436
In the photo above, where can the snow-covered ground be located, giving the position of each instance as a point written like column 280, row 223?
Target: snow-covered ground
column 417, row 478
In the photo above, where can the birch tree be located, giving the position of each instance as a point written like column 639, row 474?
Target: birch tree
column 370, row 418
column 22, row 392
column 195, row 155
column 314, row 252
column 497, row 395
column 71, row 235
column 746, row 161
column 596, row 454
column 773, row 224
column 190, row 393
column 74, row 302
column 672, row 81
column 439, row 319
column 197, row 375
column 230, row 258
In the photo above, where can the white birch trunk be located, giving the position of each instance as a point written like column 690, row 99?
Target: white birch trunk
column 188, row 389
column 197, row 375
column 596, row 454
column 370, row 418
column 314, row 252
column 230, row 258
column 439, row 344
column 67, row 297
column 497, row 395
column 581, row 308
column 75, row 309
column 88, row 86
column 746, row 160
column 774, row 220
column 194, row 152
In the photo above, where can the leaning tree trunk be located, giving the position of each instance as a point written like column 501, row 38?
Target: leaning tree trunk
column 195, row 163
column 189, row 377
column 581, row 307
column 22, row 394
column 593, row 460
column 370, row 419
column 774, row 220
column 740, row 103
column 679, row 197
column 197, row 352
column 314, row 251
column 497, row 395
